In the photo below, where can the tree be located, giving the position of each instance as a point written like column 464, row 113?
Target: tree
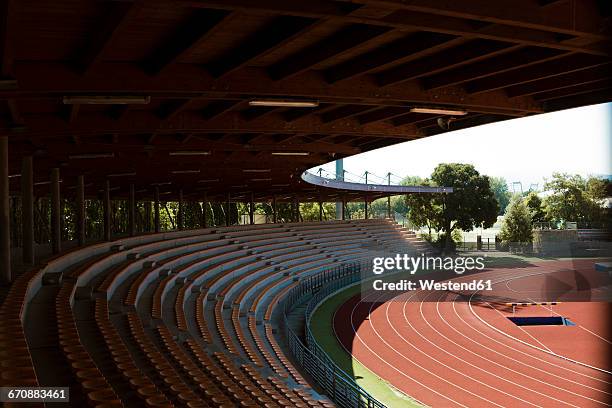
column 472, row 202
column 516, row 226
column 575, row 198
column 502, row 195
column 534, row 204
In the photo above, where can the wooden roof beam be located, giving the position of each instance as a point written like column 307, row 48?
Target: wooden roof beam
column 275, row 34
column 186, row 37
column 172, row 107
column 463, row 54
column 186, row 81
column 405, row 19
column 219, row 107
column 560, row 66
column 345, row 112
column 574, row 90
column 561, row 81
column 341, row 41
column 393, row 52
column 118, row 14
column 588, row 98
column 586, row 20
column 145, row 122
column 383, row 113
column 506, row 62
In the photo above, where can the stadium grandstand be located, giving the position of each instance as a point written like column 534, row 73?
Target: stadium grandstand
column 221, row 105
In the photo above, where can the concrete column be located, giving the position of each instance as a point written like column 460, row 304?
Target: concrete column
column 106, row 203
column 366, row 207
column 148, row 211
column 5, row 228
column 132, row 211
column 180, row 216
column 274, row 209
column 227, row 211
column 156, row 200
column 297, row 210
column 80, row 209
column 204, row 216
column 27, row 209
column 320, row 210
column 56, row 230
column 343, row 208
column 340, row 177
column 251, row 210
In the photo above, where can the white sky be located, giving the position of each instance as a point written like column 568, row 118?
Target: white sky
column 525, row 149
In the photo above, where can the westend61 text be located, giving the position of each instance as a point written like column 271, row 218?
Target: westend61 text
column 428, row 284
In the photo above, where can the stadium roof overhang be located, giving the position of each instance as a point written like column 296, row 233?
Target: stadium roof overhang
column 179, row 76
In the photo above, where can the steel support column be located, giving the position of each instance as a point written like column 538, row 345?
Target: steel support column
column 106, row 203
column 204, row 216
column 251, row 210
column 156, row 204
column 80, row 210
column 180, row 217
column 5, row 228
column 274, row 213
column 132, row 211
column 56, row 230
column 343, row 208
column 27, row 209
column 366, row 207
column 227, row 211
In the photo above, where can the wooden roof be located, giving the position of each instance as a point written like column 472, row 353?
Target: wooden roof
column 367, row 62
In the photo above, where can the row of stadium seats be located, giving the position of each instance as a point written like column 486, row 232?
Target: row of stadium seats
column 182, row 318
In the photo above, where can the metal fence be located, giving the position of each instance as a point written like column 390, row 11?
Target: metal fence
column 336, row 383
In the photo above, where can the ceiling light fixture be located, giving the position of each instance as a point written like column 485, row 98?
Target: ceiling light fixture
column 190, row 153
column 133, row 173
column 185, row 171
column 106, row 100
column 287, row 103
column 261, row 179
column 290, row 153
column 92, row 156
column 439, row 111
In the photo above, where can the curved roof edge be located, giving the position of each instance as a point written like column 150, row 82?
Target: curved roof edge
column 374, row 188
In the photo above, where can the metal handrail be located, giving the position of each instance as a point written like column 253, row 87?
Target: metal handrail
column 340, row 387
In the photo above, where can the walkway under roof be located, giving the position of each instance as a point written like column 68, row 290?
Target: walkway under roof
column 162, row 92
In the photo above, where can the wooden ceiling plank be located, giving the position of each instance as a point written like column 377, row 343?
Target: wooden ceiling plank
column 219, row 107
column 563, row 65
column 383, row 113
column 343, row 40
column 118, row 15
column 463, row 54
column 7, row 37
column 345, row 112
column 560, row 81
column 277, row 33
column 189, row 33
column 405, row 19
column 585, row 20
column 506, row 62
column 391, row 52
column 574, row 90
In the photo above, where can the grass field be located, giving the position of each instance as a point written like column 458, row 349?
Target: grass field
column 321, row 326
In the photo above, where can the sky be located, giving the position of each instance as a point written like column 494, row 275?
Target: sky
column 525, row 150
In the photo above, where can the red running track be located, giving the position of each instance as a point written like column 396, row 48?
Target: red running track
column 447, row 352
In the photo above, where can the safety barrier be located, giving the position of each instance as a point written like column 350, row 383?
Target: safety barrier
column 336, row 383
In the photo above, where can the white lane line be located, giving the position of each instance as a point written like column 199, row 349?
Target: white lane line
column 420, row 366
column 532, row 355
column 480, row 356
column 391, row 365
column 451, row 354
column 529, row 344
column 520, row 328
column 529, row 366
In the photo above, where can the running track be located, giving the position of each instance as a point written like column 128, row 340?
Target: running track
column 447, row 352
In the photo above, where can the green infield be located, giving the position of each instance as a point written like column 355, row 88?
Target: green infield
column 322, row 330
